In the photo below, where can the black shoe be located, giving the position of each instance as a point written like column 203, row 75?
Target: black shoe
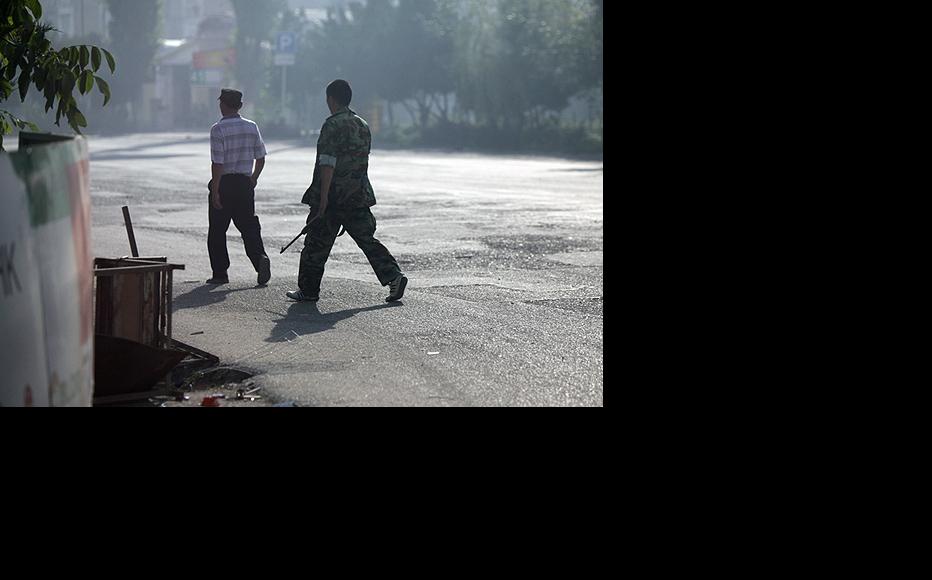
column 265, row 271
column 299, row 296
column 217, row 280
column 396, row 289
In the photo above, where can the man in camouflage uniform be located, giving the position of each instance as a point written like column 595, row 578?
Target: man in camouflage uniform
column 341, row 195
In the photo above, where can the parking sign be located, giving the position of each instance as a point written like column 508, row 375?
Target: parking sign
column 287, row 43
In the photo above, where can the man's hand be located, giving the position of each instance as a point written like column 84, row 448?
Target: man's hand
column 216, row 173
column 260, row 165
column 318, row 214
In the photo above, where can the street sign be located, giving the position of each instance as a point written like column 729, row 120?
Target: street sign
column 284, row 57
column 287, row 43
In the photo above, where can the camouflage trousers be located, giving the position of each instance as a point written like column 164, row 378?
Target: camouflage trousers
column 360, row 225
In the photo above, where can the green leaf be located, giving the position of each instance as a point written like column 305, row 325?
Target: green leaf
column 24, row 79
column 95, row 58
column 49, row 96
column 35, row 7
column 60, row 111
column 19, row 58
column 39, row 77
column 85, row 57
column 110, row 62
column 76, row 117
column 104, row 89
column 6, row 88
column 86, row 82
column 67, row 84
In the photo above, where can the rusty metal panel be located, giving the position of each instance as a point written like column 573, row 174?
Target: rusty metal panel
column 133, row 299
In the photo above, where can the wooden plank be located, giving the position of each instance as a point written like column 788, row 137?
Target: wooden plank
column 129, row 232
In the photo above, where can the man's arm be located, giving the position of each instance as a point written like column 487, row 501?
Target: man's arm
column 260, row 165
column 326, row 178
column 216, row 172
column 327, row 148
column 217, row 159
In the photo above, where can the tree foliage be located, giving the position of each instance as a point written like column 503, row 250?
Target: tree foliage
column 256, row 24
column 507, row 62
column 519, row 59
column 134, row 37
column 28, row 61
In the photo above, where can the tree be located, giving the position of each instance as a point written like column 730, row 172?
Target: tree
column 256, row 21
column 351, row 44
column 520, row 59
column 397, row 50
column 591, row 53
column 423, row 65
column 28, row 60
column 134, row 37
column 511, row 65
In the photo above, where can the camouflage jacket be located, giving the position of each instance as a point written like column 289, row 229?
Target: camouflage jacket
column 345, row 140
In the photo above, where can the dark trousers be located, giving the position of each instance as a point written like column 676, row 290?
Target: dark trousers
column 239, row 205
column 360, row 225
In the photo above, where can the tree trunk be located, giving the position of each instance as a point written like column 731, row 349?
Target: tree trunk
column 444, row 109
column 410, row 111
column 423, row 106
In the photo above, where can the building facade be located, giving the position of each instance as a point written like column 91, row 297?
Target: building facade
column 182, row 18
column 77, row 18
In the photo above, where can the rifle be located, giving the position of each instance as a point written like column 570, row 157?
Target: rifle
column 303, row 232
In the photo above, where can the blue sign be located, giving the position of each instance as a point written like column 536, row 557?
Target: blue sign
column 287, row 43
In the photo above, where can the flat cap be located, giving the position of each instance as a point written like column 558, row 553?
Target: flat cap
column 231, row 97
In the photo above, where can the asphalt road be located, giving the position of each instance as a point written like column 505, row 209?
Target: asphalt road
column 503, row 254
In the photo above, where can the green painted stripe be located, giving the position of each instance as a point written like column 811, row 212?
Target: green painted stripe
column 44, row 170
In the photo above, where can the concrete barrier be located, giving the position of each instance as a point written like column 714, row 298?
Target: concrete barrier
column 46, row 286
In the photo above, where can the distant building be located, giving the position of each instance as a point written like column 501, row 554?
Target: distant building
column 77, row 18
column 81, row 18
column 190, row 71
column 195, row 58
column 181, row 18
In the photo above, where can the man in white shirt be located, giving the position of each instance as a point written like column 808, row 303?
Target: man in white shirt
column 237, row 155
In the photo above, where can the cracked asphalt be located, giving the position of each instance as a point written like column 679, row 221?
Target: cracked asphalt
column 504, row 255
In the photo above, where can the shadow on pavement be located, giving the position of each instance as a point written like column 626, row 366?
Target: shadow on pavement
column 305, row 318
column 206, row 295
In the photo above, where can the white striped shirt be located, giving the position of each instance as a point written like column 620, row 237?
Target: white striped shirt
column 235, row 143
